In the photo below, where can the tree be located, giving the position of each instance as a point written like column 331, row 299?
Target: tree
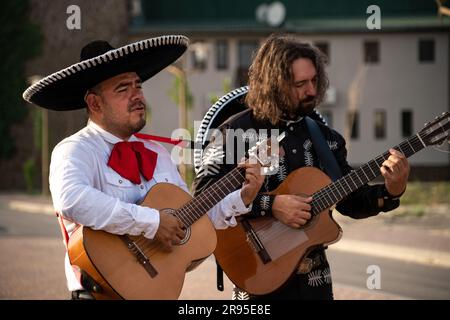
column 20, row 40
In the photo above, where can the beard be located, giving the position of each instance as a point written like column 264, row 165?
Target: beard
column 140, row 124
column 135, row 128
column 303, row 108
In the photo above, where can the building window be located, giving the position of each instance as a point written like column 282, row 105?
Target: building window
column 407, row 123
column 324, row 48
column 246, row 48
column 222, row 54
column 371, row 51
column 353, row 124
column 426, row 50
column 199, row 56
column 380, row 124
column 328, row 116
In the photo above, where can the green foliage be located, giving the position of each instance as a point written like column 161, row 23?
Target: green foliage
column 37, row 128
column 29, row 173
column 148, row 115
column 174, row 93
column 226, row 87
column 190, row 176
column 427, row 193
column 19, row 41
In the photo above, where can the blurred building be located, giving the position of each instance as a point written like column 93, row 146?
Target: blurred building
column 60, row 48
column 384, row 83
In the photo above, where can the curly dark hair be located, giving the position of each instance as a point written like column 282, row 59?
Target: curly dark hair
column 270, row 75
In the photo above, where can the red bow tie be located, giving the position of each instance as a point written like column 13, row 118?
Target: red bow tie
column 130, row 158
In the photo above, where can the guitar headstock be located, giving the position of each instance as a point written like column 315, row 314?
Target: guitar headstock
column 436, row 131
column 266, row 152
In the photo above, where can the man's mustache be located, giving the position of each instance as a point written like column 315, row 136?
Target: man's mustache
column 309, row 99
column 136, row 105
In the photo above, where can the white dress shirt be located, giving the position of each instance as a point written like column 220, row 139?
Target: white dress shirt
column 86, row 191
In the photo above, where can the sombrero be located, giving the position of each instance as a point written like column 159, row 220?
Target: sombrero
column 227, row 106
column 65, row 89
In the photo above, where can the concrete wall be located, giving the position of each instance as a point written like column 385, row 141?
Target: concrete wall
column 397, row 82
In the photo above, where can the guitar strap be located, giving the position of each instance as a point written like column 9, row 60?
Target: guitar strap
column 326, row 157
column 219, row 276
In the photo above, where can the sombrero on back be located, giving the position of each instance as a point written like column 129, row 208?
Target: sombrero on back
column 227, row 106
column 65, row 89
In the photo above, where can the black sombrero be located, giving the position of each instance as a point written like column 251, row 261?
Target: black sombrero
column 227, row 106
column 65, row 89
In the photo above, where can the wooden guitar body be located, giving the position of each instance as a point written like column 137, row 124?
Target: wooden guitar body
column 259, row 255
column 115, row 266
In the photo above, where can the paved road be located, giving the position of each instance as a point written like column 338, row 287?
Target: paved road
column 31, row 257
column 31, row 267
column 404, row 279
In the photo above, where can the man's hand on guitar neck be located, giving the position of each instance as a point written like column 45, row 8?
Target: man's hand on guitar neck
column 170, row 231
column 395, row 171
column 253, row 182
column 292, row 210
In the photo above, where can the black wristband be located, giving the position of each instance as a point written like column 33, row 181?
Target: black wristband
column 389, row 202
column 262, row 205
column 387, row 196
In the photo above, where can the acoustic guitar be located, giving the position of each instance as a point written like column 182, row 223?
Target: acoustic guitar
column 135, row 267
column 259, row 255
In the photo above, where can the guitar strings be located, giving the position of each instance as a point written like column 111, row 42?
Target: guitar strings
column 323, row 195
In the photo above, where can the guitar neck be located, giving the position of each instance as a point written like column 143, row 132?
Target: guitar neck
column 200, row 205
column 333, row 193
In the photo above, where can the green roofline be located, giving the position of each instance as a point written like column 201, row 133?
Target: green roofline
column 303, row 16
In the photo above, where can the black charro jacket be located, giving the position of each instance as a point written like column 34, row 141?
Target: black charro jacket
column 298, row 153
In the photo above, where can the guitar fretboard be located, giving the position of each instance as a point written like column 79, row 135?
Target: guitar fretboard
column 198, row 206
column 338, row 190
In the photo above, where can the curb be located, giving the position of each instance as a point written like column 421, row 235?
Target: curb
column 28, row 207
column 408, row 254
column 390, row 251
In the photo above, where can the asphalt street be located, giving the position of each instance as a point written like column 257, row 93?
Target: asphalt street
column 32, row 256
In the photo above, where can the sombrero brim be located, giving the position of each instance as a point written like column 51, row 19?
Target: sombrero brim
column 65, row 89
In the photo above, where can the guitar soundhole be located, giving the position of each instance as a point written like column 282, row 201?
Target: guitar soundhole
column 187, row 235
column 187, row 231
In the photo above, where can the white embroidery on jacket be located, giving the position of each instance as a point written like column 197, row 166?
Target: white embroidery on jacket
column 326, row 273
column 211, row 161
column 315, row 278
column 282, row 170
column 309, row 160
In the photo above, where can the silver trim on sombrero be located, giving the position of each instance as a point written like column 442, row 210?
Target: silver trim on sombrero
column 211, row 115
column 208, row 119
column 106, row 57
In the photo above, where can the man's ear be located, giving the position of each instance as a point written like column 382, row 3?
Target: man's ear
column 93, row 103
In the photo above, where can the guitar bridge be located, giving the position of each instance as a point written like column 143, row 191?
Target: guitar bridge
column 255, row 243
column 141, row 257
